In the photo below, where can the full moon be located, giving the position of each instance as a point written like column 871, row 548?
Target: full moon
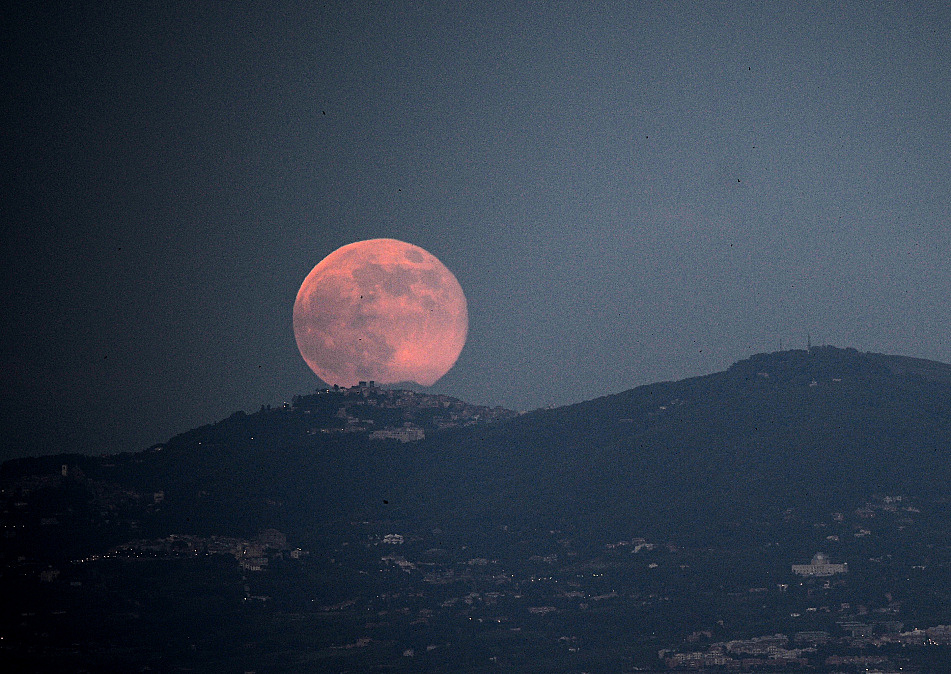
column 380, row 310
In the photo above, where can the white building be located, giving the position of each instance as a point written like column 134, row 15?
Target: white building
column 408, row 433
column 819, row 566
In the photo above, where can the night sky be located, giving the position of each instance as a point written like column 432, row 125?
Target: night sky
column 627, row 192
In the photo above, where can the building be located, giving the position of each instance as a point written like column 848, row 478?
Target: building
column 408, row 433
column 819, row 566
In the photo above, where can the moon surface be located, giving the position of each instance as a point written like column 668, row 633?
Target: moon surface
column 380, row 310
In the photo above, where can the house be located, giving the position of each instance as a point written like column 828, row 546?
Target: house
column 819, row 566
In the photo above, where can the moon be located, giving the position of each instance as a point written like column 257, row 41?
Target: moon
column 380, row 310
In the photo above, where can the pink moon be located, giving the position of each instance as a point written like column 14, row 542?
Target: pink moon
column 380, row 310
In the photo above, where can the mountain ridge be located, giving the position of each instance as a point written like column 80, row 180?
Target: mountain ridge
column 806, row 414
column 662, row 519
column 868, row 422
column 804, row 429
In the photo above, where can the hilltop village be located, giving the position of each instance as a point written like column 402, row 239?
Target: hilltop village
column 389, row 414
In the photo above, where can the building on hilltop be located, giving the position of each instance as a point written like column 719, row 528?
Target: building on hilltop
column 819, row 566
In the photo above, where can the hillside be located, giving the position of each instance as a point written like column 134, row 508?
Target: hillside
column 589, row 537
column 793, row 429
column 801, row 428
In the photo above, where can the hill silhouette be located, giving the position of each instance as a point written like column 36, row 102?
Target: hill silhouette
column 799, row 428
column 804, row 428
column 631, row 524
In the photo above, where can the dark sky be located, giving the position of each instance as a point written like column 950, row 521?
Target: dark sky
column 627, row 192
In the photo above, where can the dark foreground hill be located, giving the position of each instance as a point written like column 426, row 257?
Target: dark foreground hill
column 798, row 429
column 585, row 538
